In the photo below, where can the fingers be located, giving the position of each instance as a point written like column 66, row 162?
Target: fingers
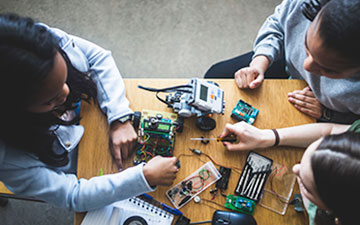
column 161, row 170
column 306, row 96
column 302, row 101
column 248, row 77
column 173, row 162
column 306, row 102
column 236, row 146
column 310, row 112
column 115, row 150
column 125, row 150
column 170, row 173
column 226, row 131
column 307, row 88
column 257, row 82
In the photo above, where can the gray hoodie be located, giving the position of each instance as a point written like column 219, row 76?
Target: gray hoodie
column 283, row 35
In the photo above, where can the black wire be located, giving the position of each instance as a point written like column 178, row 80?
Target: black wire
column 202, row 222
column 167, row 89
column 162, row 100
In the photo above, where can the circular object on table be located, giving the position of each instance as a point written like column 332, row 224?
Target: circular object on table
column 205, row 123
column 197, row 199
column 135, row 220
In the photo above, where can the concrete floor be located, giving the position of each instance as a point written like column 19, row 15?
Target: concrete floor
column 157, row 39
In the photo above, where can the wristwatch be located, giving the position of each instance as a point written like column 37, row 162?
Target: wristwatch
column 125, row 118
column 326, row 114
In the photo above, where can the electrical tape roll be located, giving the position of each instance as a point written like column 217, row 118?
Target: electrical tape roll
column 135, row 220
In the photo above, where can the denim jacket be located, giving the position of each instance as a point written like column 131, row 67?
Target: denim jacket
column 25, row 175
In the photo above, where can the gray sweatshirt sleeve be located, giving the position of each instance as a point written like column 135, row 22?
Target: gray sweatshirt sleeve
column 270, row 39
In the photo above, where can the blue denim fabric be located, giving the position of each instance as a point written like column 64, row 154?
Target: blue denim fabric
column 25, row 175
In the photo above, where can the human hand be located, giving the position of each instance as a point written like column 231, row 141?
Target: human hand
column 305, row 101
column 249, row 77
column 161, row 171
column 249, row 137
column 123, row 137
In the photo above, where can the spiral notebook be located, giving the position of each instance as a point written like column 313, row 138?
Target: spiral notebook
column 129, row 211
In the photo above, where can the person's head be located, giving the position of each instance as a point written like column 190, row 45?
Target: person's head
column 329, row 175
column 33, row 72
column 37, row 84
column 332, row 40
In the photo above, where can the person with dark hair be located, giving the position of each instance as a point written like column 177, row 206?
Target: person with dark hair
column 329, row 172
column 324, row 52
column 45, row 73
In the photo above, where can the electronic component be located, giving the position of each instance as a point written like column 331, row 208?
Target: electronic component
column 197, row 199
column 232, row 218
column 240, row 204
column 244, row 112
column 156, row 135
column 182, row 220
column 195, row 151
column 199, row 98
column 224, row 180
column 177, row 164
column 253, row 177
column 298, row 203
column 194, row 184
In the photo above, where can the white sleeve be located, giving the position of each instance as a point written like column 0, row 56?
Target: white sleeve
column 66, row 191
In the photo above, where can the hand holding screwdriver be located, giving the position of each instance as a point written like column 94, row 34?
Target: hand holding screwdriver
column 231, row 138
column 248, row 137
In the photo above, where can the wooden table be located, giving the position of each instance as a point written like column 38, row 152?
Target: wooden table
column 275, row 112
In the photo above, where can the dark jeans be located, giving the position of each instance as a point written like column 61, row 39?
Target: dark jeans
column 227, row 68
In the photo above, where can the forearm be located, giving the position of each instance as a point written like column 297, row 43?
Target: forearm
column 303, row 135
column 110, row 85
column 260, row 62
column 66, row 191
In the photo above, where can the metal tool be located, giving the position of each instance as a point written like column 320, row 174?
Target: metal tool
column 230, row 139
column 249, row 171
column 257, row 182
column 262, row 182
column 242, row 178
column 249, row 186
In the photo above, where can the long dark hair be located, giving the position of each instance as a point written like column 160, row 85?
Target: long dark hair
column 336, row 169
column 339, row 28
column 27, row 53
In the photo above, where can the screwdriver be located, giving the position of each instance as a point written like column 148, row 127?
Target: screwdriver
column 230, row 139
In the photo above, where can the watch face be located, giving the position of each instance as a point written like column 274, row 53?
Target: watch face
column 124, row 118
column 326, row 114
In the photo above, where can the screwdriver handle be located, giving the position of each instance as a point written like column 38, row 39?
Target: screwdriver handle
column 230, row 138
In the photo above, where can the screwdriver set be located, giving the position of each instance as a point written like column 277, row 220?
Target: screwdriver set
column 253, row 177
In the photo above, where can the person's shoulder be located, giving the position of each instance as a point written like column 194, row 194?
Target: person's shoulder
column 292, row 5
column 63, row 37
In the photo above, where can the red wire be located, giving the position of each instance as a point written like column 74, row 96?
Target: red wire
column 214, row 195
column 272, row 175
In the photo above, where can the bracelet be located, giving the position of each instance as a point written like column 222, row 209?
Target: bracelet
column 277, row 137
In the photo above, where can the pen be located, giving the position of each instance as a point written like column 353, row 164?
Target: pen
column 147, row 196
column 165, row 207
column 171, row 210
